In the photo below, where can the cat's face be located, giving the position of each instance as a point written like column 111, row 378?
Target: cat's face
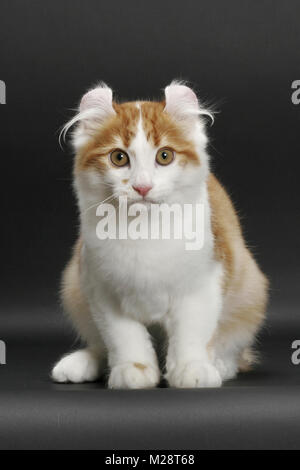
column 150, row 152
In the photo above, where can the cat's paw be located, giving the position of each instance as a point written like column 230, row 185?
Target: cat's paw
column 227, row 368
column 133, row 375
column 77, row 367
column 194, row 374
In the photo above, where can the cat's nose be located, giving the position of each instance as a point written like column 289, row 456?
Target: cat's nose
column 142, row 190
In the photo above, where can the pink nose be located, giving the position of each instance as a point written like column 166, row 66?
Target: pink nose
column 142, row 190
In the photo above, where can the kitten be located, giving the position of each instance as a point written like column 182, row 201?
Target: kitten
column 210, row 302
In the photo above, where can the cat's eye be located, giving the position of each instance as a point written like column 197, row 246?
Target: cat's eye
column 119, row 158
column 164, row 156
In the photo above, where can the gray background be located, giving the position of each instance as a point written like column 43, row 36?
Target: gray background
column 240, row 55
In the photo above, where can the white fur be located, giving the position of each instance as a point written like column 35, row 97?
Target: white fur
column 182, row 102
column 94, row 108
column 77, row 367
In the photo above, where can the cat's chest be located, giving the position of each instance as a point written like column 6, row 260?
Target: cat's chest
column 141, row 266
column 146, row 276
column 141, row 263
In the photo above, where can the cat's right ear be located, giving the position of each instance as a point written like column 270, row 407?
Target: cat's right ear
column 99, row 99
column 95, row 107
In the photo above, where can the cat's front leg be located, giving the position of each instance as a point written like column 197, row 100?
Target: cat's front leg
column 190, row 325
column 131, row 356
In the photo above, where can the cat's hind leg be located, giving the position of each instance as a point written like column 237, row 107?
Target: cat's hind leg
column 77, row 367
column 243, row 316
column 232, row 350
column 84, row 365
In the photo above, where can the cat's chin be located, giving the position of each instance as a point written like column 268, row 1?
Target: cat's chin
column 147, row 202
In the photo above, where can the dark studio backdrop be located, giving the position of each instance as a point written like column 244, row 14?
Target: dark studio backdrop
column 242, row 55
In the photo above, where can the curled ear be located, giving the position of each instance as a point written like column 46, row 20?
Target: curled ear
column 98, row 99
column 182, row 102
column 95, row 107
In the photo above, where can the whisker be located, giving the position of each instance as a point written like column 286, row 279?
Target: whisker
column 100, row 202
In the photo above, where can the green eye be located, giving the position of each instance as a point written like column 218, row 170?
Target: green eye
column 119, row 158
column 164, row 156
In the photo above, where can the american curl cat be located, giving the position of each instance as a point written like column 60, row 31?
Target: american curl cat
column 210, row 302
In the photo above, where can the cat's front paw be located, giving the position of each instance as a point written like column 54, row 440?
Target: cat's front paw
column 77, row 367
column 133, row 375
column 194, row 374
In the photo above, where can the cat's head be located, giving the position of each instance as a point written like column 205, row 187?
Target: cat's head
column 147, row 151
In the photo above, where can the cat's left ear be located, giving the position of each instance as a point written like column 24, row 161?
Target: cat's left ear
column 182, row 102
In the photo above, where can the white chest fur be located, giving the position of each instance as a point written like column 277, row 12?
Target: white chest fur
column 144, row 277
